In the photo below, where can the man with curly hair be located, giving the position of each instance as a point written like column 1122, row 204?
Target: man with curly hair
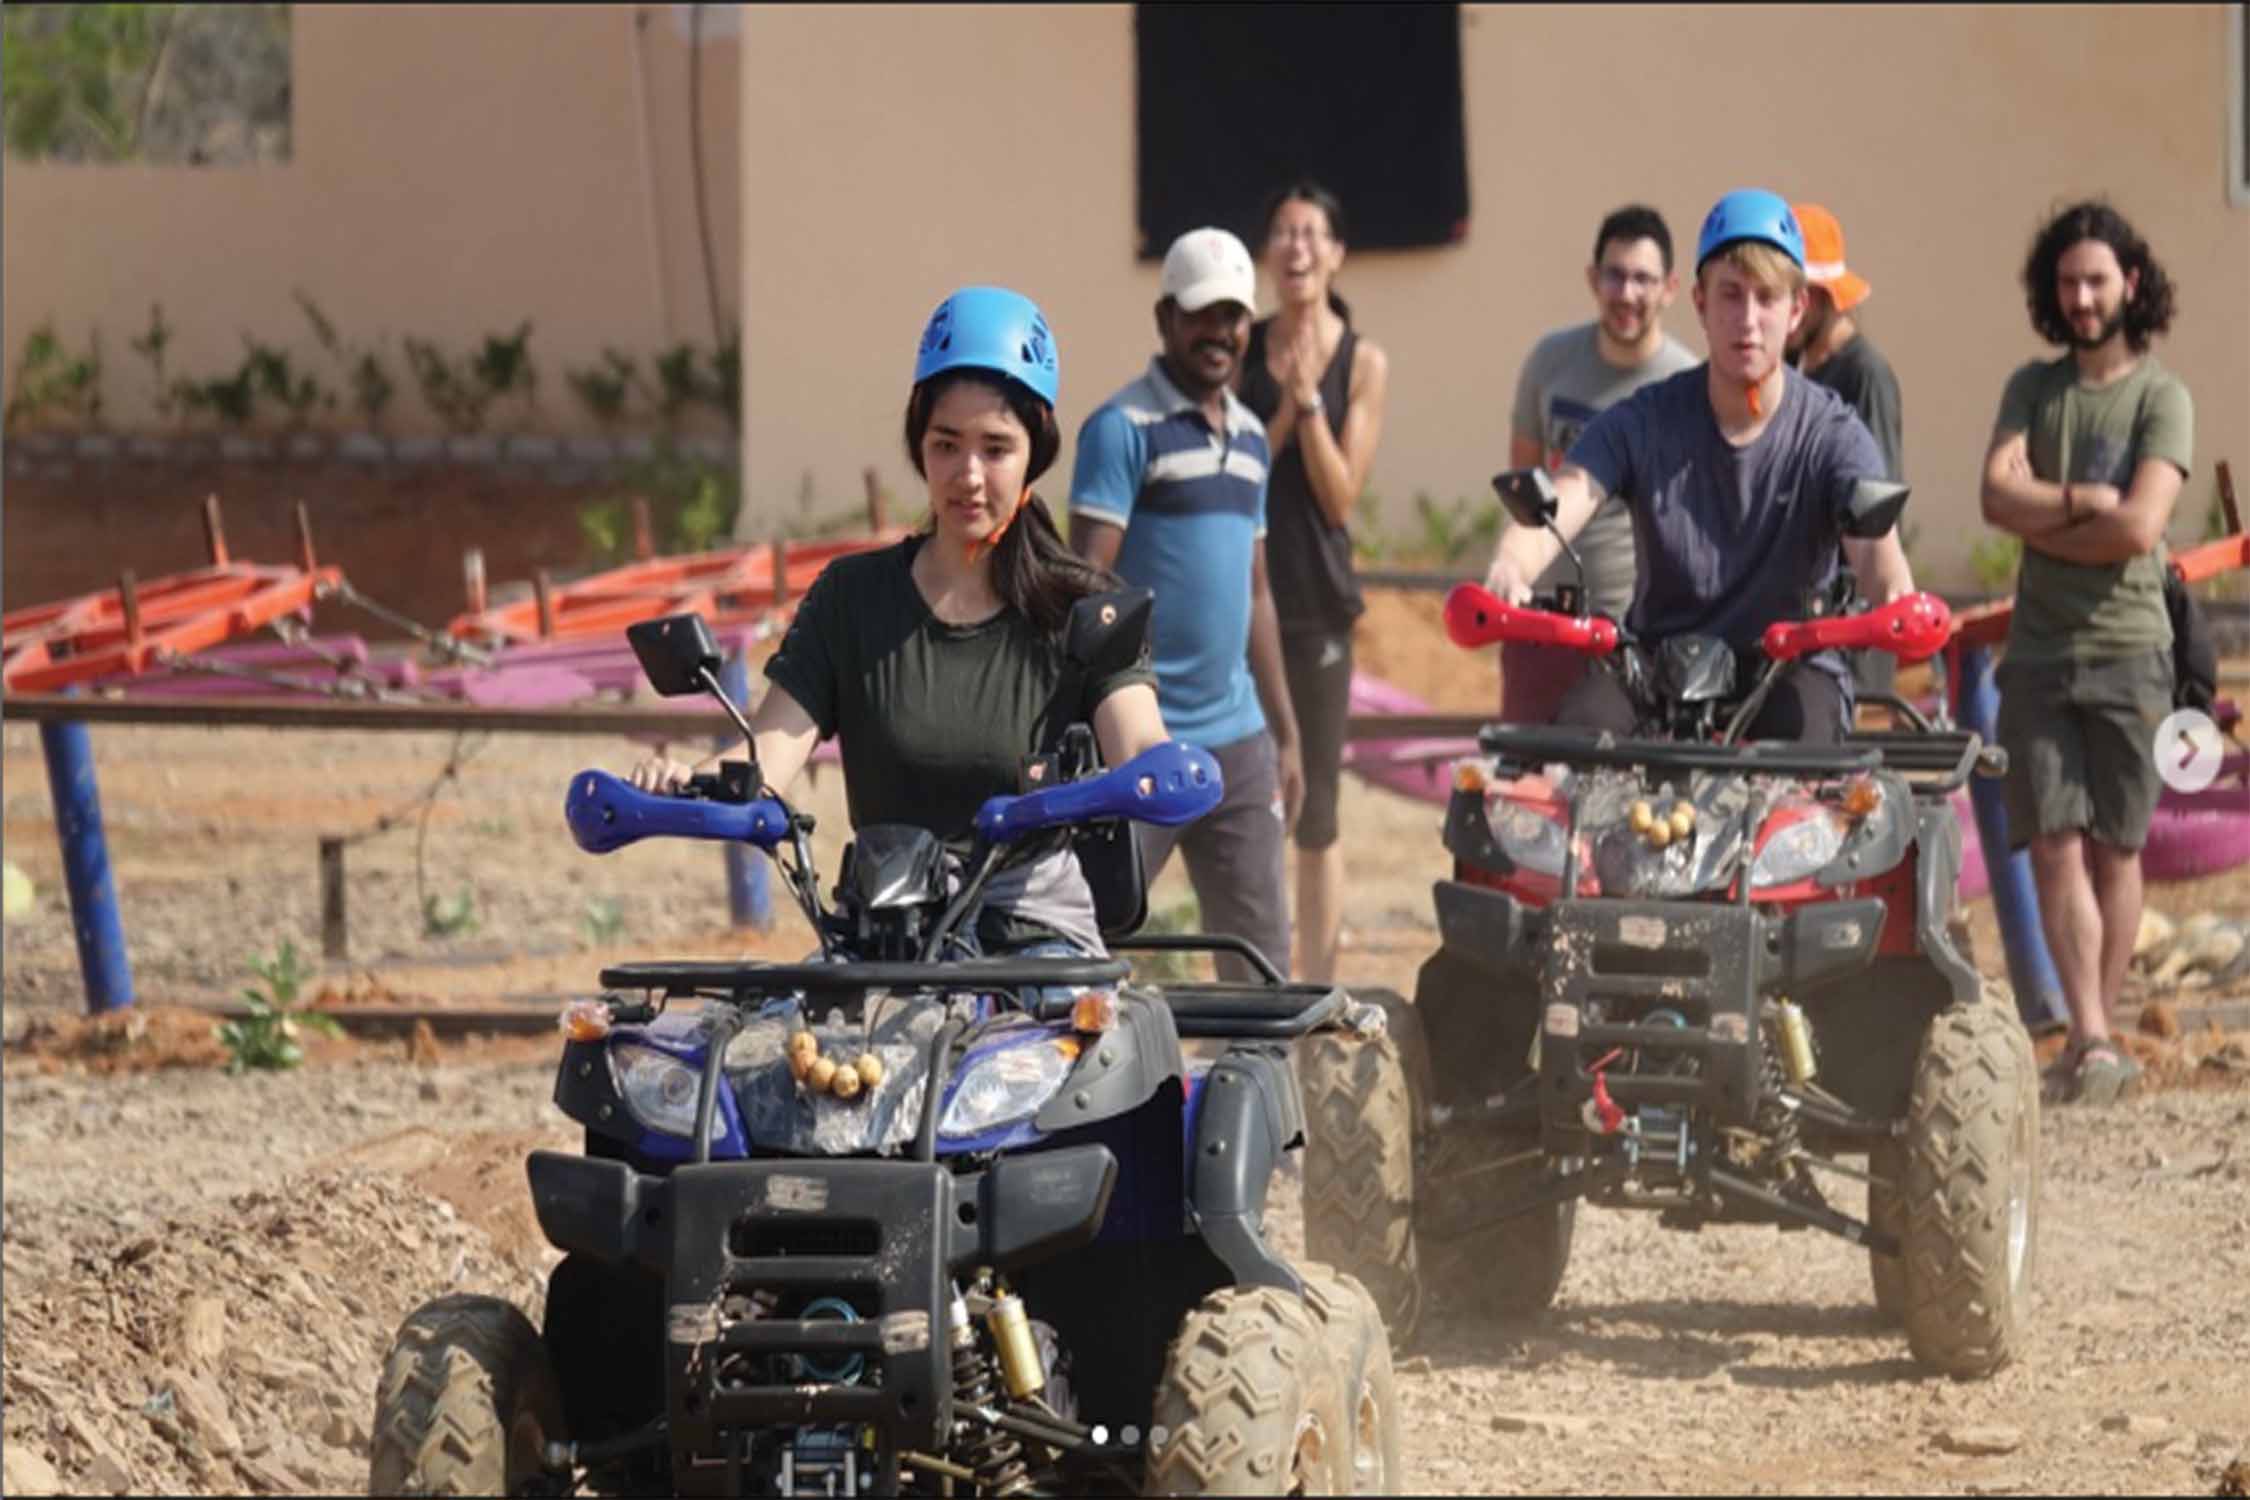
column 2086, row 461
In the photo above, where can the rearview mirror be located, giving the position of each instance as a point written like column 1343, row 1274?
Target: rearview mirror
column 1873, row 508
column 677, row 654
column 1528, row 496
column 1107, row 632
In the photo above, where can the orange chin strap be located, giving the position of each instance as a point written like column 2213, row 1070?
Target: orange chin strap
column 976, row 550
column 1751, row 391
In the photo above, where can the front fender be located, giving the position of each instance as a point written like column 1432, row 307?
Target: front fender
column 1248, row 1114
column 1937, row 882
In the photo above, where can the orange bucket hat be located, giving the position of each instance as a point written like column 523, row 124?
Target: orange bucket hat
column 1824, row 257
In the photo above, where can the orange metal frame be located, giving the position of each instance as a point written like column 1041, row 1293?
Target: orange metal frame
column 736, row 586
column 130, row 629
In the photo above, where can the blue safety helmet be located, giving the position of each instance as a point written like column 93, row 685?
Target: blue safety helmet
column 1751, row 214
column 991, row 328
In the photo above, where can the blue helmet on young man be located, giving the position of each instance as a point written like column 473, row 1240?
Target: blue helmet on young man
column 1751, row 214
column 991, row 328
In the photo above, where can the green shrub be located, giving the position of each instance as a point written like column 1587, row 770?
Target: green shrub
column 267, row 1037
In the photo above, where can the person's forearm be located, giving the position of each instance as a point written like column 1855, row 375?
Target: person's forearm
column 2022, row 505
column 1098, row 542
column 1530, row 548
column 1266, row 668
column 1884, row 573
column 2114, row 536
column 1327, row 469
column 784, row 736
column 780, row 757
column 1282, row 427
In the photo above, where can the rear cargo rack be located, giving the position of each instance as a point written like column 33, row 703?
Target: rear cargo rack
column 1590, row 747
column 1951, row 756
column 967, row 976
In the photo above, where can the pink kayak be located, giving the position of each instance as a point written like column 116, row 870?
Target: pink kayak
column 2193, row 834
column 1411, row 767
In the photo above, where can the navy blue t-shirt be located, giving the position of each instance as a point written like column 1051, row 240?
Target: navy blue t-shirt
column 1731, row 539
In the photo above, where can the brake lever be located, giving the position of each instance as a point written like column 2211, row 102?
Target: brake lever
column 734, row 781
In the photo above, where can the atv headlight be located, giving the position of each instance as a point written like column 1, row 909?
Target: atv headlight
column 1798, row 850
column 658, row 1089
column 1003, row 1086
column 1531, row 840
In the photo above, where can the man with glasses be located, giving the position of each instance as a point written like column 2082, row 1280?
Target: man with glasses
column 1572, row 375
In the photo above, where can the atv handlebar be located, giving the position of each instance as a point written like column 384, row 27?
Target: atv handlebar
column 605, row 813
column 1912, row 628
column 1475, row 616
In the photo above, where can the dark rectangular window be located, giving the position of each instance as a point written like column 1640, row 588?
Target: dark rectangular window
column 2238, row 59
column 1237, row 100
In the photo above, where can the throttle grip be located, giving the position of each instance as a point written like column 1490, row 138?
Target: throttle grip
column 1475, row 616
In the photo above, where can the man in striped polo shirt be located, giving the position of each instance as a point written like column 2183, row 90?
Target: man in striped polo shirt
column 1170, row 491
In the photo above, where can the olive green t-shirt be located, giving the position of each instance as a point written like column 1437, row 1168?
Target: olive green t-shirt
column 932, row 718
column 2094, row 435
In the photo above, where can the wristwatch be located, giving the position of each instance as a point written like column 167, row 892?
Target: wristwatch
column 1313, row 405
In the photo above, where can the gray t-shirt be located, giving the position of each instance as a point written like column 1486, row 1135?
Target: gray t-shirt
column 1859, row 373
column 1731, row 539
column 1565, row 384
column 2094, row 435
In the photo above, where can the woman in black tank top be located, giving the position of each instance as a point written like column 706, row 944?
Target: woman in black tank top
column 1319, row 388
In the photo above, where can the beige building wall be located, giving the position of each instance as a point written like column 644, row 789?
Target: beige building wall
column 455, row 169
column 893, row 153
column 459, row 168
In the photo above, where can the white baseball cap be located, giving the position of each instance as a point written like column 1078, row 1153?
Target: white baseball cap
column 1206, row 266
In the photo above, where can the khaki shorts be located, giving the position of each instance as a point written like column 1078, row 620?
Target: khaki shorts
column 2081, row 743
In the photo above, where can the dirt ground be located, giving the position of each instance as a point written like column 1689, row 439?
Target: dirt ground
column 202, row 1270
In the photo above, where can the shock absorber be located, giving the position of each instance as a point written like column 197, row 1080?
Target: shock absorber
column 1778, row 1122
column 995, row 1457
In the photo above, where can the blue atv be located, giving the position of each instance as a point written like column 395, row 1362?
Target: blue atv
column 902, row 1219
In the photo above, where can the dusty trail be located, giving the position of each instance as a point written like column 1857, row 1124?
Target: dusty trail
column 201, row 1271
column 210, row 1322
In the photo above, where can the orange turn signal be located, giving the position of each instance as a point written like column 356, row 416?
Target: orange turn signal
column 1468, row 776
column 1862, row 796
column 1094, row 1012
column 584, row 1020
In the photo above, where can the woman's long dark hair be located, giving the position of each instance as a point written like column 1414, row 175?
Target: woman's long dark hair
column 2147, row 313
column 1305, row 190
column 1033, row 568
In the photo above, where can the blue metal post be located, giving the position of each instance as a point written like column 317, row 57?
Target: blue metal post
column 749, row 898
column 2015, row 900
column 85, row 852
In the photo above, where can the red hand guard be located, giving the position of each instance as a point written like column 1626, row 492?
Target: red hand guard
column 1911, row 628
column 1474, row 616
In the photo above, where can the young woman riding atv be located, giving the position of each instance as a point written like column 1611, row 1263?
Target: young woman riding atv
column 937, row 662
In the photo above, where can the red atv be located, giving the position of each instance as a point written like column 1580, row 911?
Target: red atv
column 1688, row 973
